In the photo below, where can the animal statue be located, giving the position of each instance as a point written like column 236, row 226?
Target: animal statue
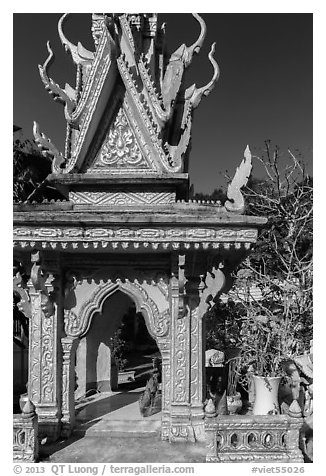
column 300, row 371
column 150, row 401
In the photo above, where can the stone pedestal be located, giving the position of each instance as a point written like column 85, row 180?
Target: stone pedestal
column 25, row 443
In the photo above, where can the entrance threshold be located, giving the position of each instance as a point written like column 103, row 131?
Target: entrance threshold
column 115, row 414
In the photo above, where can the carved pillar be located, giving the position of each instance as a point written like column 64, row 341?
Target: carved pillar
column 165, row 348
column 180, row 417
column 44, row 363
column 190, row 298
column 197, row 360
column 69, row 346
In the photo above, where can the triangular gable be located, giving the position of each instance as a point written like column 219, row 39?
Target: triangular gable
column 120, row 150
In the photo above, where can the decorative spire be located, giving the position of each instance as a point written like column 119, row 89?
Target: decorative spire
column 65, row 96
column 235, row 202
column 193, row 94
column 79, row 54
column 151, row 91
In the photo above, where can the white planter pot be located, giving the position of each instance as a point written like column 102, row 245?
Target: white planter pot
column 266, row 395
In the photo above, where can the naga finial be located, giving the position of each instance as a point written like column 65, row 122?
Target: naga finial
column 193, row 94
column 195, row 47
column 79, row 54
column 235, row 202
column 66, row 96
column 48, row 149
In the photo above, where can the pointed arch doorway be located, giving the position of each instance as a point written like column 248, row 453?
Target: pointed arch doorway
column 115, row 311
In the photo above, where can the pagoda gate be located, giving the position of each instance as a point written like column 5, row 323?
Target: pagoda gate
column 127, row 224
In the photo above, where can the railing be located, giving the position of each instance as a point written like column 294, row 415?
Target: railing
column 253, row 438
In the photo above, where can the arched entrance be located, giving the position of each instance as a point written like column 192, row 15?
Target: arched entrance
column 88, row 349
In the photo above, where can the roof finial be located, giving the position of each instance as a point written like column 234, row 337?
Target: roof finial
column 79, row 54
column 239, row 180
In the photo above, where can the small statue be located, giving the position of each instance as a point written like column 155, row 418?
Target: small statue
column 150, row 401
column 300, row 371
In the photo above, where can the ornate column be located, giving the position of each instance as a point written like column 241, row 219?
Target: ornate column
column 44, row 363
column 180, row 416
column 194, row 287
column 190, row 299
column 165, row 348
column 69, row 346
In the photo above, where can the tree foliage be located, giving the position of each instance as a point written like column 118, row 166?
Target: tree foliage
column 30, row 171
column 269, row 311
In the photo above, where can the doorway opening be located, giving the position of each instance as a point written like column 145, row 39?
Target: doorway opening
column 115, row 361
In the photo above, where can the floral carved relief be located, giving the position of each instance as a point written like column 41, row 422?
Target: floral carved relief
column 35, row 349
column 180, row 361
column 47, row 360
column 77, row 323
column 194, row 363
column 120, row 148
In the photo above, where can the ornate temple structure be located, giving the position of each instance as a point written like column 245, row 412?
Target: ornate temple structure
column 126, row 225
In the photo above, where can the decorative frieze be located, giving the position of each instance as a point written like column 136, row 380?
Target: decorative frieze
column 228, row 235
column 122, row 198
column 123, row 245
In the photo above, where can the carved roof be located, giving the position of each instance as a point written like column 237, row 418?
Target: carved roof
column 124, row 168
column 129, row 112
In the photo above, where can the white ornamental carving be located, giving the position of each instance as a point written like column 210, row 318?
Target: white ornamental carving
column 167, row 235
column 121, row 198
column 120, row 148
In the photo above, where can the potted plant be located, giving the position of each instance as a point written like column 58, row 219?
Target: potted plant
column 223, row 324
column 270, row 334
column 118, row 361
column 233, row 397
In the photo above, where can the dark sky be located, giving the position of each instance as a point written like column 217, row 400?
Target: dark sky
column 264, row 91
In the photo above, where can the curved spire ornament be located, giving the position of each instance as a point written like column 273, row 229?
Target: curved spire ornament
column 65, row 96
column 79, row 54
column 193, row 94
column 196, row 47
column 48, row 149
column 235, row 202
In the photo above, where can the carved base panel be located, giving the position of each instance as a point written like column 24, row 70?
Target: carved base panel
column 258, row 439
column 246, row 457
column 165, row 429
column 49, row 428
column 25, row 442
column 181, row 432
column 66, row 429
column 186, row 431
column 181, row 428
column 198, row 423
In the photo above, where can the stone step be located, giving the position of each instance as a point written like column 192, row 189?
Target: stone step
column 120, row 428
